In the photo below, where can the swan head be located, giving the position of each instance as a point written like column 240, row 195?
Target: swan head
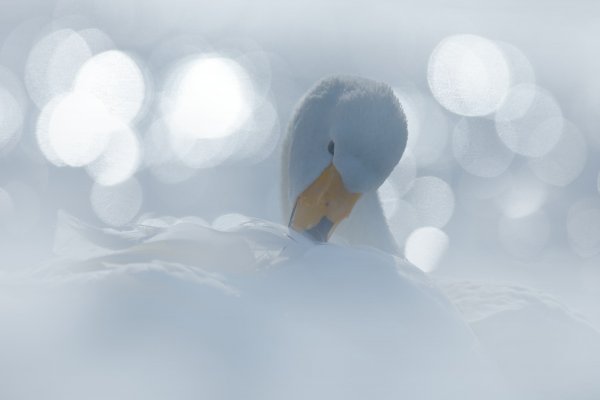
column 345, row 138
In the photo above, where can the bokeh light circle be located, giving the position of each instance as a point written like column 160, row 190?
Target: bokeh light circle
column 257, row 63
column 115, row 79
column 412, row 103
column 433, row 199
column 80, row 129
column 11, row 117
column 213, row 115
column 427, row 126
column 425, row 247
column 404, row 220
column 530, row 121
column 524, row 195
column 404, row 173
column 565, row 162
column 203, row 153
column 160, row 158
column 97, row 40
column 521, row 70
column 42, row 131
column 13, row 107
column 478, row 149
column 397, row 184
column 209, row 97
column 432, row 137
column 120, row 159
column 468, row 75
column 118, row 204
column 259, row 136
column 53, row 63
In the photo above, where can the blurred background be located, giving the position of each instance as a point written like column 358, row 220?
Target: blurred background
column 114, row 109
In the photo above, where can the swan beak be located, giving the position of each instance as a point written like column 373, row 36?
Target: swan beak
column 323, row 205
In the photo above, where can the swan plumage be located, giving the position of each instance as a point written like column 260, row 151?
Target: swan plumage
column 357, row 128
column 246, row 308
column 269, row 310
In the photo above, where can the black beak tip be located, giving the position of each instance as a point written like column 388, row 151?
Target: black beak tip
column 320, row 232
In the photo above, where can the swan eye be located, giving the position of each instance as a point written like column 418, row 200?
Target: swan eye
column 331, row 147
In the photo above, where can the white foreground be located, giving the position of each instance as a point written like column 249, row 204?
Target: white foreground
column 243, row 309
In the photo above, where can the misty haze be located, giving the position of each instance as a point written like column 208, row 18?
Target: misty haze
column 299, row 200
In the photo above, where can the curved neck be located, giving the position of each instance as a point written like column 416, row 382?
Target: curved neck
column 367, row 226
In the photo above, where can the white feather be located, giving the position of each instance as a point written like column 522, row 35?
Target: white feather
column 366, row 123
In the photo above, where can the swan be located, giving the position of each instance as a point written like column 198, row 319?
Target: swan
column 345, row 138
column 248, row 308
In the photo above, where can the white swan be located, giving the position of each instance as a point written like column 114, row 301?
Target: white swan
column 248, row 308
column 243, row 308
column 344, row 140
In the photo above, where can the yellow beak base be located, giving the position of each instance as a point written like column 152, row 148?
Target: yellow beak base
column 323, row 205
